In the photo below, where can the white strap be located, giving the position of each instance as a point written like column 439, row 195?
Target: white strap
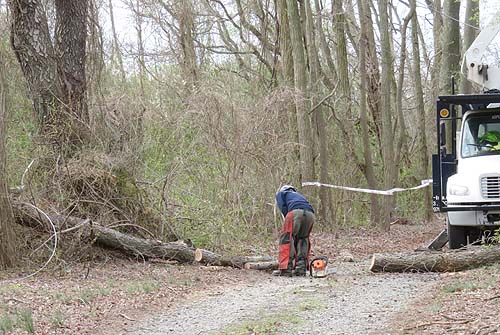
column 424, row 183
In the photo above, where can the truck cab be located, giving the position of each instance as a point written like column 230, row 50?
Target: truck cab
column 466, row 168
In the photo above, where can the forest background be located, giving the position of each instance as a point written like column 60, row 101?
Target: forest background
column 180, row 119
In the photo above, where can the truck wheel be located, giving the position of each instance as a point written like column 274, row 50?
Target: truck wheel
column 457, row 237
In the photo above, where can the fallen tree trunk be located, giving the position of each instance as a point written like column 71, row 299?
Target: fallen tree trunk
column 130, row 245
column 208, row 257
column 270, row 265
column 451, row 261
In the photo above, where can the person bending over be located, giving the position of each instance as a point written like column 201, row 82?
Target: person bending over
column 294, row 243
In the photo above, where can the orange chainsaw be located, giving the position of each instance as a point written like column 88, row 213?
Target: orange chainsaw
column 317, row 268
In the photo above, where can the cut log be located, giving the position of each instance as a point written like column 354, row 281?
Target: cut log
column 208, row 257
column 131, row 245
column 198, row 255
column 452, row 261
column 271, row 265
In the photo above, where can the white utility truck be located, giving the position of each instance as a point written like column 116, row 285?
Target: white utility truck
column 466, row 168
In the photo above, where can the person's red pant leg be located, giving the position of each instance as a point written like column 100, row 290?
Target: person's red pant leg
column 286, row 243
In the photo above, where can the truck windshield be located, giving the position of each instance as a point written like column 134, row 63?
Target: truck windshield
column 481, row 135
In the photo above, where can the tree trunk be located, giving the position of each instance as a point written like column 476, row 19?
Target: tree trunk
column 470, row 33
column 330, row 73
column 55, row 73
column 7, row 237
column 300, row 84
column 450, row 66
column 290, row 120
column 70, row 50
column 131, row 245
column 373, row 69
column 364, row 122
column 317, row 116
column 341, row 59
column 36, row 56
column 400, row 132
column 436, row 261
column 437, row 30
column 116, row 51
column 420, row 107
column 186, row 30
column 285, row 44
column 140, row 48
column 386, row 108
column 344, row 99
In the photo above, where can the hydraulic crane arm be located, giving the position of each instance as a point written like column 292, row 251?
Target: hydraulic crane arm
column 480, row 72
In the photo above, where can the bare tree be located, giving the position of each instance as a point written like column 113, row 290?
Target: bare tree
column 70, row 52
column 471, row 30
column 450, row 45
column 329, row 70
column 420, row 107
column 36, row 56
column 400, row 131
column 373, row 69
column 54, row 70
column 116, row 53
column 386, row 109
column 7, row 237
column 300, row 85
column 318, row 114
column 141, row 57
column 436, row 9
column 189, row 64
column 369, row 170
column 341, row 58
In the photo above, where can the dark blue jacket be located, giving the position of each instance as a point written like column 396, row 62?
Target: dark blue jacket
column 289, row 200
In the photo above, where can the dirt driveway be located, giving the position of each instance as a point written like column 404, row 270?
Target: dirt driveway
column 112, row 296
column 348, row 301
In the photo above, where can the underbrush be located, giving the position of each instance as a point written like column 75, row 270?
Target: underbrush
column 204, row 168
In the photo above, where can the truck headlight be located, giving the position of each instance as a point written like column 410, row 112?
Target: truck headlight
column 458, row 190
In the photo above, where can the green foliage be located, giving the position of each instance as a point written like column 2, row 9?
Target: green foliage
column 143, row 287
column 57, row 319
column 6, row 322
column 20, row 126
column 63, row 297
column 311, row 304
column 21, row 318
column 496, row 236
column 266, row 325
column 104, row 291
column 19, row 144
column 205, row 162
column 88, row 295
column 150, row 286
column 11, row 288
column 459, row 286
column 25, row 320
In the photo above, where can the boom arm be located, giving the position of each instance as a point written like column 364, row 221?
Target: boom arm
column 479, row 72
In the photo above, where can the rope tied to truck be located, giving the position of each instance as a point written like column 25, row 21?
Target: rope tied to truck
column 391, row 191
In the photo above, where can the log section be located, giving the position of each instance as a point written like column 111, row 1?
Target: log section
column 451, row 261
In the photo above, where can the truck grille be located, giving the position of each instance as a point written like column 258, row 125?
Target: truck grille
column 490, row 187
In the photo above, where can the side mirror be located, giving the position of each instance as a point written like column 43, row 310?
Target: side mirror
column 442, row 139
column 442, row 134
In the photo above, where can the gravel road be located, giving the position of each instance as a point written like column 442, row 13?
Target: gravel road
column 351, row 300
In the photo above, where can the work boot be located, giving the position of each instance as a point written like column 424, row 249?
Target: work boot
column 283, row 273
column 299, row 272
column 300, row 268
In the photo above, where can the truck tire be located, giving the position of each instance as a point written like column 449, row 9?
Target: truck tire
column 457, row 236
